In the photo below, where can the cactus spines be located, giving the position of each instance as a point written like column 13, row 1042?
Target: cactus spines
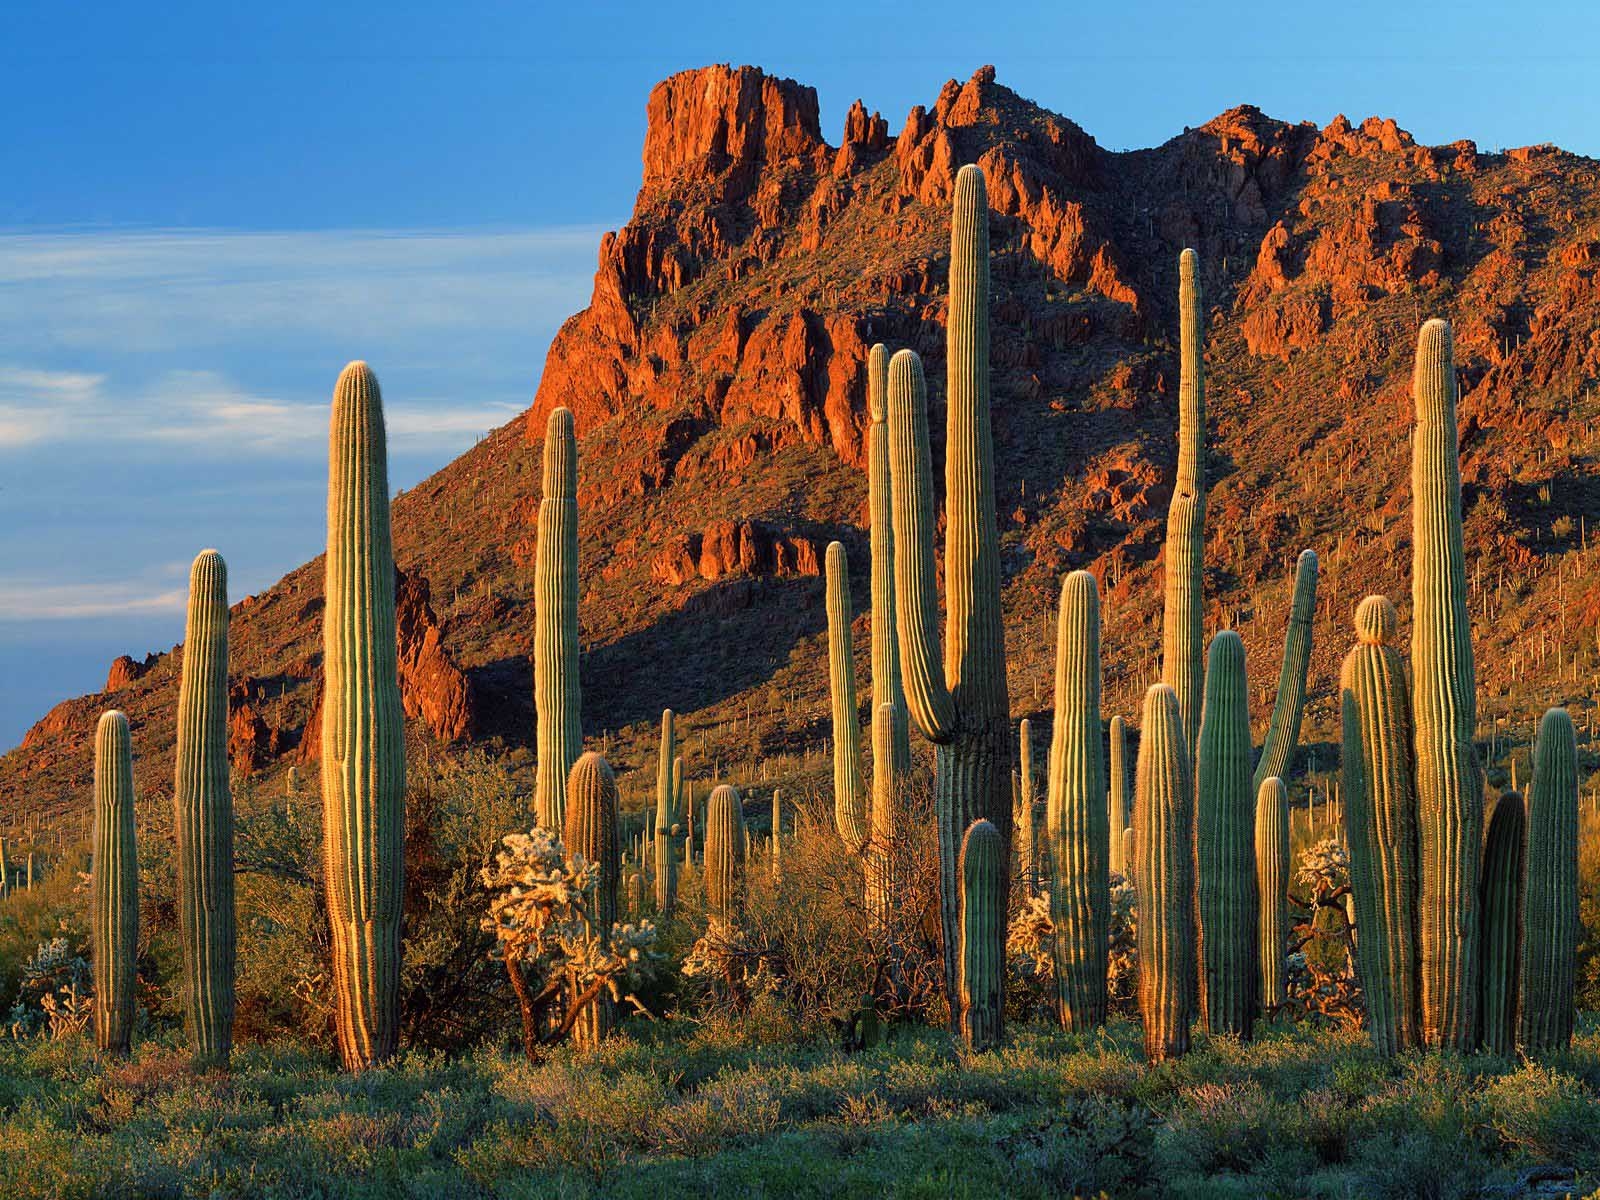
column 1163, row 826
column 1182, row 622
column 591, row 834
column 1550, row 901
column 557, row 698
column 887, row 725
column 1117, row 797
column 1272, row 877
column 849, row 788
column 363, row 730
column 114, row 914
column 1500, row 885
column 1283, row 731
column 959, row 704
column 203, row 822
column 667, row 781
column 1444, row 703
column 724, row 854
column 982, row 981
column 886, row 686
column 1024, row 826
column 1225, row 876
column 1080, row 900
column 1380, row 814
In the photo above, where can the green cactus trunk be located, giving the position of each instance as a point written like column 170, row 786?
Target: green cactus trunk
column 666, row 816
column 114, row 890
column 1227, row 904
column 958, row 699
column 1501, row 887
column 1163, row 826
column 886, row 785
column 203, row 821
column 591, row 834
column 849, row 788
column 557, row 699
column 1272, row 877
column 982, row 927
column 363, row 731
column 1380, row 813
column 1550, row 912
column 1080, row 898
column 1117, row 807
column 1024, row 823
column 1183, row 616
column 1283, row 732
column 725, row 853
column 886, row 685
column 777, row 836
column 1449, row 779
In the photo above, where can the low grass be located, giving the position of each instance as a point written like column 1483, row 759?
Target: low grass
column 713, row 1110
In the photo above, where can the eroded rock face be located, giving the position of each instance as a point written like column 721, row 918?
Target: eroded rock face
column 736, row 548
column 126, row 670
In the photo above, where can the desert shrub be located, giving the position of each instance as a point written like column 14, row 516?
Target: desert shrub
column 1546, row 1115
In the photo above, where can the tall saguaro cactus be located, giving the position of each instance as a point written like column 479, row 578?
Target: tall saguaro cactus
column 1283, row 732
column 849, row 789
column 1272, row 878
column 1117, row 799
column 886, row 685
column 1024, row 825
column 1163, row 830
column 958, row 704
column 203, row 821
column 114, row 912
column 725, row 852
column 666, row 816
column 1080, row 900
column 557, row 698
column 1225, row 876
column 1501, row 940
column 1550, row 906
column 1182, row 622
column 363, row 730
column 982, row 982
column 591, row 833
column 1449, row 778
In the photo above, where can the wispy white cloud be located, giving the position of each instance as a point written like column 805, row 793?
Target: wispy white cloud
column 44, row 600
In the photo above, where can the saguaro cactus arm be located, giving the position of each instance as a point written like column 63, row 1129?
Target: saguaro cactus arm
column 1283, row 732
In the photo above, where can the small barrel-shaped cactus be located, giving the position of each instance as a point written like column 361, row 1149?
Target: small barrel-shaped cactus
column 982, row 984
column 1283, row 732
column 203, row 824
column 666, row 817
column 557, row 697
column 1163, row 826
column 1500, row 885
column 886, row 686
column 1182, row 622
column 114, row 913
column 1550, row 903
column 725, row 836
column 363, row 730
column 849, row 787
column 1080, row 901
column 1117, row 799
column 1225, row 874
column 591, row 835
column 1272, row 879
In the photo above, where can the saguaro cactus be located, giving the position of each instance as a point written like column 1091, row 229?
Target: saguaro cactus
column 1501, row 940
column 849, row 789
column 557, row 698
column 666, row 816
column 886, row 685
column 363, row 730
column 1225, row 877
column 1024, row 825
column 114, row 914
column 1550, row 912
column 1163, row 826
column 1381, row 824
column 1272, row 877
column 1283, row 732
column 958, row 704
column 777, row 835
column 203, row 821
column 591, row 834
column 1080, row 900
column 1449, row 778
column 887, row 725
column 724, row 852
column 1117, row 807
column 982, row 983
column 1182, row 622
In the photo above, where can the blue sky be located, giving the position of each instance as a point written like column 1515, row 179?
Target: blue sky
column 206, row 209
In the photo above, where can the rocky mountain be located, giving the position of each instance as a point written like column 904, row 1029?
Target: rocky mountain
column 718, row 380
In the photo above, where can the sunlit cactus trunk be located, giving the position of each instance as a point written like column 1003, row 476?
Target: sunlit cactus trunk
column 666, row 817
column 725, row 853
column 1118, row 805
column 849, row 787
column 1272, row 878
column 1163, row 826
column 114, row 886
column 1283, row 732
column 1225, row 874
column 887, row 782
column 1024, row 822
column 1449, row 778
column 1080, row 899
column 777, row 836
column 886, row 685
column 958, row 699
column 591, row 834
column 1500, row 886
column 557, row 699
column 982, row 927
column 1550, row 904
column 363, row 730
column 1182, row 622
column 203, row 823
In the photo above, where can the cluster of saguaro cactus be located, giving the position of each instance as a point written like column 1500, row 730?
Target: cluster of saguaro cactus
column 956, row 699
column 1272, row 883
column 725, row 852
column 1163, row 825
column 981, row 985
column 1500, row 900
column 556, row 695
column 204, row 815
column 669, row 782
column 363, row 730
column 1550, row 905
column 590, row 833
column 114, row 901
column 1080, row 900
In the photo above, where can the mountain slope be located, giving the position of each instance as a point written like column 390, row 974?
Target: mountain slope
column 718, row 382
